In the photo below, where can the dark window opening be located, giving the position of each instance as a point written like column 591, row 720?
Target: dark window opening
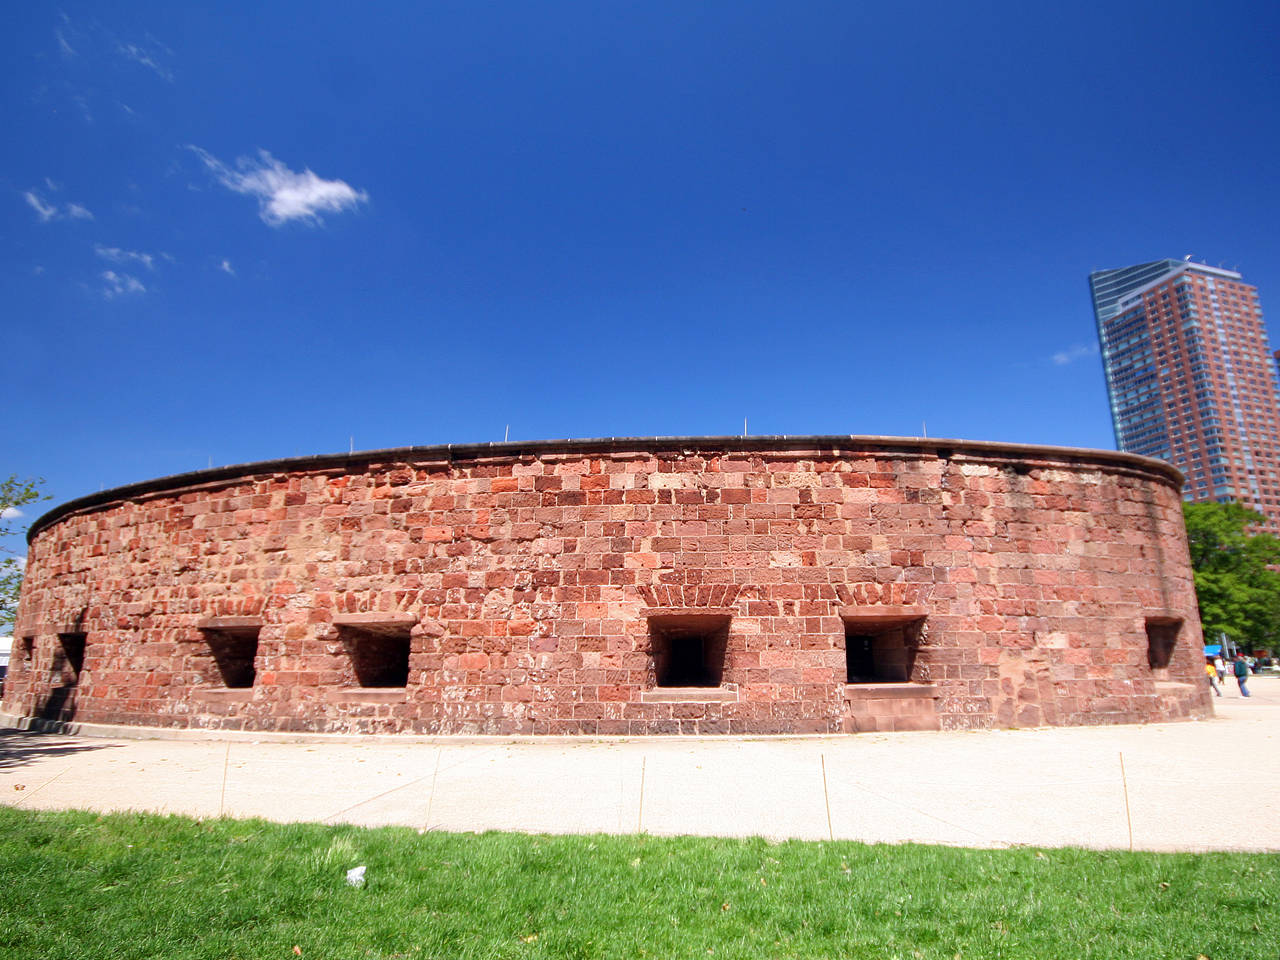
column 379, row 654
column 689, row 650
column 880, row 652
column 1162, row 640
column 234, row 652
column 68, row 660
column 859, row 657
column 28, row 650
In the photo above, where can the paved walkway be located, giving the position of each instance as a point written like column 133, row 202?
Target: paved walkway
column 1049, row 787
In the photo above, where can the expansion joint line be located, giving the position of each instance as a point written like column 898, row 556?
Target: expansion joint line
column 226, row 764
column 23, row 799
column 431, row 797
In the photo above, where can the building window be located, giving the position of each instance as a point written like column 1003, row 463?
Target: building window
column 379, row 653
column 689, row 649
column 234, row 651
column 1162, row 640
column 68, row 660
column 879, row 650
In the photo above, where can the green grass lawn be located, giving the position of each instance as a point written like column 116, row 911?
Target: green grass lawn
column 80, row 885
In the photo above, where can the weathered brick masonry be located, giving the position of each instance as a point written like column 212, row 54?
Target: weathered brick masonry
column 713, row 585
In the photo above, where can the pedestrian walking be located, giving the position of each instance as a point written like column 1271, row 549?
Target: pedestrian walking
column 1241, row 670
column 1221, row 668
column 1212, row 676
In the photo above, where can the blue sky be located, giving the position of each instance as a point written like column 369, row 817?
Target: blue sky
column 232, row 235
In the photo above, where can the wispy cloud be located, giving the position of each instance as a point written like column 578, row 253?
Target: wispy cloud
column 1076, row 352
column 82, row 104
column 43, row 210
column 283, row 194
column 225, row 267
column 149, row 55
column 116, row 255
column 47, row 210
column 116, row 284
column 84, row 46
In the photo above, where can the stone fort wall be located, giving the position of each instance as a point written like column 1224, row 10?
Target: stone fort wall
column 657, row 586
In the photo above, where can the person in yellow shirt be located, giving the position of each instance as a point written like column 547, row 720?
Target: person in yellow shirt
column 1212, row 674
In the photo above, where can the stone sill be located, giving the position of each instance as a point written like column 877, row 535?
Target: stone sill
column 229, row 623
column 878, row 614
column 689, row 695
column 376, row 618
column 700, row 618
column 366, row 695
column 222, row 693
column 1173, row 685
column 68, row 626
column 890, row 691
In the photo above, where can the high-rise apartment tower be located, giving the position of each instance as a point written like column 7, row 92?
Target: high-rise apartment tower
column 1191, row 377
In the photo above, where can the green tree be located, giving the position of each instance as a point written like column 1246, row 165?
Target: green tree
column 1238, row 591
column 14, row 495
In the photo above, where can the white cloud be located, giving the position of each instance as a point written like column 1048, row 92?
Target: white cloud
column 51, row 211
column 147, row 57
column 1074, row 353
column 116, row 255
column 66, row 48
column 225, row 267
column 82, row 104
column 283, row 194
column 42, row 209
column 10, row 513
column 115, row 284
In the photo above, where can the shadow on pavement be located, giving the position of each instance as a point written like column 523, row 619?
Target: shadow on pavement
column 20, row 747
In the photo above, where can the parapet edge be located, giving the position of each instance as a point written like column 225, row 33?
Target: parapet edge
column 515, row 449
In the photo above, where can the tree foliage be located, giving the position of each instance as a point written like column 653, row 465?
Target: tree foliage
column 14, row 495
column 1238, row 591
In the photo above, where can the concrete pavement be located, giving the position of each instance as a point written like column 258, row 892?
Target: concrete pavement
column 1047, row 787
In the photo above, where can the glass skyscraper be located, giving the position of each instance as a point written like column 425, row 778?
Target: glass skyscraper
column 1191, row 378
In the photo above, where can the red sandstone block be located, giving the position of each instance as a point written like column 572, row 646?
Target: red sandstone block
column 911, row 723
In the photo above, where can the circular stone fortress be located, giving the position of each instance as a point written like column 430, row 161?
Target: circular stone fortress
column 735, row 585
